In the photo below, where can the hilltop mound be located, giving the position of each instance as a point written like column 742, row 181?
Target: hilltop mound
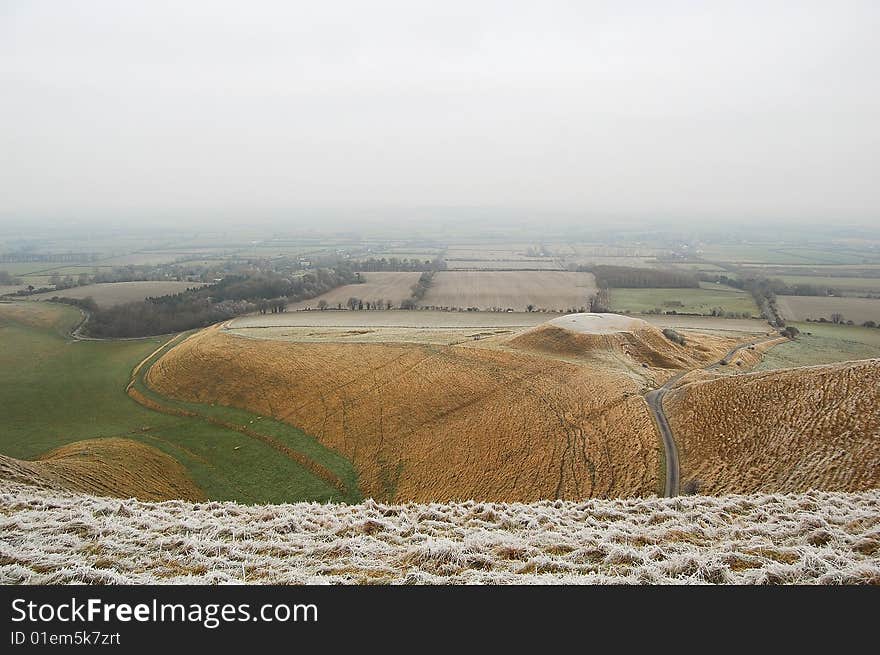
column 786, row 430
column 110, row 467
column 826, row 538
column 424, row 422
column 597, row 335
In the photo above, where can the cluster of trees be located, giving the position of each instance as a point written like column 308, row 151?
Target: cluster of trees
column 763, row 290
column 674, row 336
column 194, row 308
column 720, row 312
column 419, row 289
column 776, row 285
column 628, row 277
column 394, row 264
column 540, row 251
column 600, row 302
column 358, row 303
column 839, row 319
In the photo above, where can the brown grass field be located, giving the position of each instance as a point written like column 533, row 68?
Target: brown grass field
column 382, row 286
column 432, row 422
column 107, row 467
column 545, row 413
column 550, row 290
column 118, row 293
column 788, row 430
column 800, row 308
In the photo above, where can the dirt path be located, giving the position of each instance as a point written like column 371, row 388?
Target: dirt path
column 654, row 399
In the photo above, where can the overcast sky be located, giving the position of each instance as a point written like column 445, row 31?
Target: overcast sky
column 756, row 109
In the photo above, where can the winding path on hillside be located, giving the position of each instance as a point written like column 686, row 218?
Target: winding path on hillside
column 654, row 399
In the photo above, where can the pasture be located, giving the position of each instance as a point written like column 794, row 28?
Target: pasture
column 555, row 291
column 685, row 301
column 822, row 343
column 801, row 308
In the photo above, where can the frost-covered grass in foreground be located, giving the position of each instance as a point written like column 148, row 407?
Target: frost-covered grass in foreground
column 49, row 536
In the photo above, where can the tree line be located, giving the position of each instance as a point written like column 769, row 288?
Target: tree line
column 372, row 265
column 419, row 289
column 200, row 307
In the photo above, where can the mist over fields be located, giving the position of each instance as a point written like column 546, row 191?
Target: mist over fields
column 224, row 113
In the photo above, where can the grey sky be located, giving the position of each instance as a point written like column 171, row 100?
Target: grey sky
column 677, row 109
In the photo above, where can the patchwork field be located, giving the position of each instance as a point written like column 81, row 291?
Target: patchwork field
column 377, row 287
column 686, row 301
column 814, row 538
column 556, row 291
column 788, row 430
column 118, row 293
column 801, row 308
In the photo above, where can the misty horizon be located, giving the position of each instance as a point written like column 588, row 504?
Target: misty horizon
column 584, row 113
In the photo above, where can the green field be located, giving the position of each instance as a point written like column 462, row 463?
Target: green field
column 683, row 301
column 770, row 254
column 825, row 344
column 846, row 284
column 54, row 390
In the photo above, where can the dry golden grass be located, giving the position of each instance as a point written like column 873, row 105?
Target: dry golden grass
column 782, row 431
column 645, row 345
column 108, row 467
column 426, row 422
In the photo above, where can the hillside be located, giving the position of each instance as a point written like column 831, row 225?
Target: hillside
column 54, row 537
column 106, row 467
column 604, row 336
column 781, row 431
column 423, row 422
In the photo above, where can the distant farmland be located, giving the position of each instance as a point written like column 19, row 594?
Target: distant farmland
column 117, row 293
column 378, row 287
column 801, row 308
column 550, row 290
